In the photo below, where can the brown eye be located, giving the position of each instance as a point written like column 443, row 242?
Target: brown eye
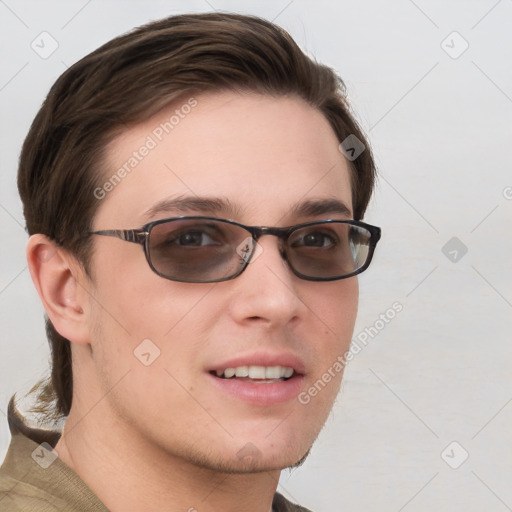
column 193, row 239
column 317, row 238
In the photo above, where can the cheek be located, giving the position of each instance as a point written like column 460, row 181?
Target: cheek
column 339, row 310
column 131, row 300
column 336, row 309
column 136, row 313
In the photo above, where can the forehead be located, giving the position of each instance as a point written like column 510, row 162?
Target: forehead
column 261, row 155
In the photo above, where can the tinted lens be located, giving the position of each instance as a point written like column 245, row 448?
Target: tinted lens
column 328, row 250
column 204, row 250
column 196, row 250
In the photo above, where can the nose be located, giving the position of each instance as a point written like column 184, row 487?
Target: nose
column 267, row 291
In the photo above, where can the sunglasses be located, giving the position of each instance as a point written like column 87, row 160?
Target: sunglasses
column 196, row 249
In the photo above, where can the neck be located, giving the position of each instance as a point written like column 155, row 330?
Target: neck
column 131, row 473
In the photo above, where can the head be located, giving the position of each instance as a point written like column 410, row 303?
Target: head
column 213, row 115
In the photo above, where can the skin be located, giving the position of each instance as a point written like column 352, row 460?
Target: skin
column 171, row 439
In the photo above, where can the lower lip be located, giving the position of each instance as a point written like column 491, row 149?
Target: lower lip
column 264, row 394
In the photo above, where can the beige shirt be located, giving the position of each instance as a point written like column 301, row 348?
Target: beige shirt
column 33, row 479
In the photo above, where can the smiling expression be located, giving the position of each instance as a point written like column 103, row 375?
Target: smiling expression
column 233, row 355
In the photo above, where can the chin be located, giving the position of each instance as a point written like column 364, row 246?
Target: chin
column 259, row 466
column 249, row 459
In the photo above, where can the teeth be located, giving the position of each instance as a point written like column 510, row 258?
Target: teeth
column 272, row 372
column 229, row 372
column 256, row 372
column 242, row 371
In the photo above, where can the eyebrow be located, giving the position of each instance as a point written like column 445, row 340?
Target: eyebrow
column 217, row 205
column 185, row 204
column 317, row 207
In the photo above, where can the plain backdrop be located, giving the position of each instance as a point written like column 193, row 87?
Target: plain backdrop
column 423, row 420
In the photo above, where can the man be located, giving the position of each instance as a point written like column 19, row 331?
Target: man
column 194, row 193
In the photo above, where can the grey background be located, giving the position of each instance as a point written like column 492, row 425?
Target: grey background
column 440, row 124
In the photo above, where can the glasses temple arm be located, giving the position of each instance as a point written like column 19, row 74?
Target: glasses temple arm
column 137, row 236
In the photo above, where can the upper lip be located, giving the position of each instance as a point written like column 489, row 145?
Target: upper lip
column 286, row 359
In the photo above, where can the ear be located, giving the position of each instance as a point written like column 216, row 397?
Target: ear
column 60, row 282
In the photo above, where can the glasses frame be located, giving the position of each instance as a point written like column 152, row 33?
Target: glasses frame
column 141, row 236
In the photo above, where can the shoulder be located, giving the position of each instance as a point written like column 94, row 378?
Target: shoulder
column 18, row 496
column 34, row 479
column 21, row 488
column 281, row 504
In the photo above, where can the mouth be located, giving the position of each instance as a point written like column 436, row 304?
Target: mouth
column 256, row 374
column 260, row 382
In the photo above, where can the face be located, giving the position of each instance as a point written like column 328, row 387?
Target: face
column 258, row 160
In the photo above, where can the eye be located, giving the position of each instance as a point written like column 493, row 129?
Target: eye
column 314, row 239
column 175, row 236
column 195, row 238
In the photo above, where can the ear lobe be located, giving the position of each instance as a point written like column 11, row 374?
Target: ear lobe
column 55, row 274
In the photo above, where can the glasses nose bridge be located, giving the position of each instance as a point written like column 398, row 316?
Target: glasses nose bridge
column 258, row 231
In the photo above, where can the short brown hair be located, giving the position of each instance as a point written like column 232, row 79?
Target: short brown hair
column 125, row 82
